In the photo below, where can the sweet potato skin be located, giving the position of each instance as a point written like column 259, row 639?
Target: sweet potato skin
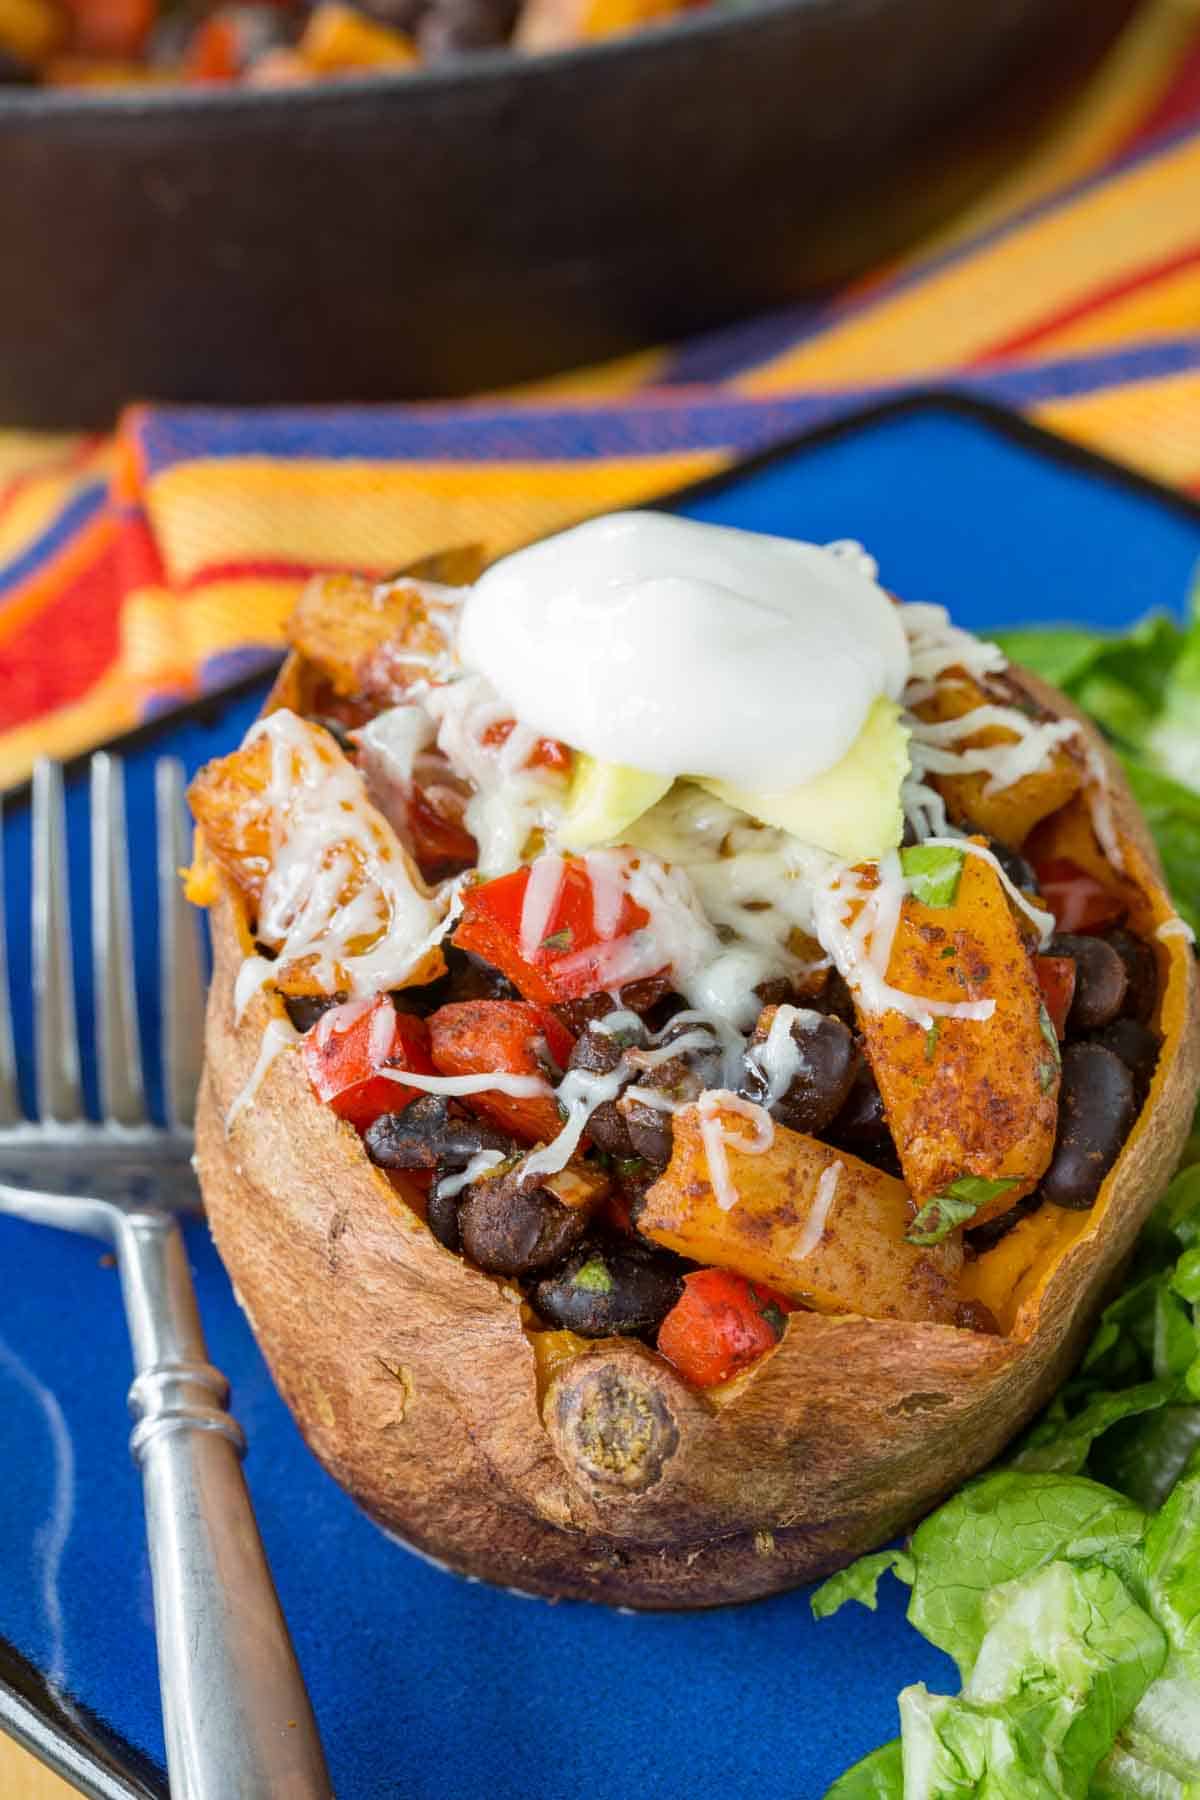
column 415, row 1383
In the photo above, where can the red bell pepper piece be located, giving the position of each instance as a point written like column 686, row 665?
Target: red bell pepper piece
column 720, row 1325
column 487, row 1037
column 440, row 845
column 569, row 960
column 547, row 753
column 1056, row 978
column 350, row 1044
column 1078, row 901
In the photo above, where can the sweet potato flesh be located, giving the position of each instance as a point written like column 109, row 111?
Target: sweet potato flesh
column 1008, row 813
column 366, row 873
column 967, row 1096
column 371, row 639
column 835, row 1254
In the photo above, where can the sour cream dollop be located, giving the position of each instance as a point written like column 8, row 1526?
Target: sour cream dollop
column 683, row 648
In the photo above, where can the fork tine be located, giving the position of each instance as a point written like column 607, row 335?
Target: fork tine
column 118, row 1050
column 181, row 977
column 10, row 1097
column 58, row 1091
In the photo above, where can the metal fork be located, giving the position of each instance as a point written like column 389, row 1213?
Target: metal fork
column 238, row 1721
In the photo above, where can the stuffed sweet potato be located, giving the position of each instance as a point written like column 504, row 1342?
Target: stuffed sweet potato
column 667, row 1210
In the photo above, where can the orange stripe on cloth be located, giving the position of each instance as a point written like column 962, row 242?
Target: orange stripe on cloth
column 1005, row 286
column 206, row 514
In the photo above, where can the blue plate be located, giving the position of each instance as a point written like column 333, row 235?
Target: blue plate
column 423, row 1684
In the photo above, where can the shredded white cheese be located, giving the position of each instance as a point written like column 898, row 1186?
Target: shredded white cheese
column 818, row 1212
column 278, row 1036
column 714, row 1137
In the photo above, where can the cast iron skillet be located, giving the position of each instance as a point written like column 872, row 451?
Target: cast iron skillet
column 498, row 218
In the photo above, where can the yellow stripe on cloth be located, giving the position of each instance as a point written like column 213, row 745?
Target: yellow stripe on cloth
column 243, row 613
column 1104, row 116
column 1152, row 425
column 1166, row 307
column 958, row 312
column 25, row 452
column 381, row 515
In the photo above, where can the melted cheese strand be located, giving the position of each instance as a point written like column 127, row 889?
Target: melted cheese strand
column 858, row 926
column 581, row 1092
column 1034, row 741
column 714, row 1138
column 935, row 645
column 279, row 1035
column 520, row 1087
column 338, row 877
column 779, row 1058
column 480, row 1163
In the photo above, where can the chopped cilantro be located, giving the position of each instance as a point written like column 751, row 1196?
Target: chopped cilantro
column 560, row 940
column 957, row 1203
column 1046, row 1026
column 931, row 1038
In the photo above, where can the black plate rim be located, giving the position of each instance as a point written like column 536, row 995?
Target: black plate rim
column 654, row 40
column 113, row 1768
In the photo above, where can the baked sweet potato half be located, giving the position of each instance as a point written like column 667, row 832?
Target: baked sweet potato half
column 439, row 1383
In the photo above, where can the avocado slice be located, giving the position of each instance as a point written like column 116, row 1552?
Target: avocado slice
column 853, row 810
column 603, row 801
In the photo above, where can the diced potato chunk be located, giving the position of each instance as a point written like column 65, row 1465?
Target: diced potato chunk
column 351, row 864
column 967, row 1097
column 1010, row 813
column 372, row 639
column 833, row 1241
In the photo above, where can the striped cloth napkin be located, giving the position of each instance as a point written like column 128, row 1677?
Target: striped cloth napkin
column 144, row 569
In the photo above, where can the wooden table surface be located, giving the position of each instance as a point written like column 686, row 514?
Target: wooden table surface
column 23, row 1777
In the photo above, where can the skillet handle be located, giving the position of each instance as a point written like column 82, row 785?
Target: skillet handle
column 236, row 1715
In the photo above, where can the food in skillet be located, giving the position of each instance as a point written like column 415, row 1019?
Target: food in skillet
column 273, row 43
column 691, row 1042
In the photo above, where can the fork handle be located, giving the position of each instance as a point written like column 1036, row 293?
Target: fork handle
column 237, row 1717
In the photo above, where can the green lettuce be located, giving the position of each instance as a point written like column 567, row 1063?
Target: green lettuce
column 1070, row 1604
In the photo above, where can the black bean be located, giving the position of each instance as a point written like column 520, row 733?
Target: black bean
column 428, row 1134
column 305, row 1009
column 510, row 1227
column 1138, row 1048
column 1141, row 968
column 824, row 1076
column 862, row 1128
column 1096, row 1107
column 598, row 1052
column 1019, row 872
column 610, row 1286
column 467, row 977
column 649, row 1129
column 442, row 1217
column 1100, row 981
column 835, row 998
column 640, row 997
